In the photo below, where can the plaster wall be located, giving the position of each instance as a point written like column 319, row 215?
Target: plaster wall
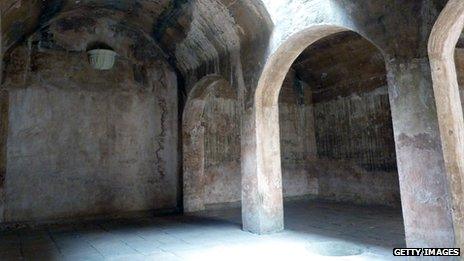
column 297, row 138
column 340, row 150
column 356, row 155
column 297, row 148
column 83, row 142
column 222, row 151
column 221, row 118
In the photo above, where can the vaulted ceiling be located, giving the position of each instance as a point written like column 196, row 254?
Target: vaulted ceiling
column 340, row 65
column 189, row 32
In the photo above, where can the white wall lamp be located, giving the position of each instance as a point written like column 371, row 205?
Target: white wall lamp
column 102, row 59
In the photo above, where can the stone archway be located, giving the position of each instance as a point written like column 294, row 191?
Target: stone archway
column 442, row 43
column 262, row 199
column 193, row 133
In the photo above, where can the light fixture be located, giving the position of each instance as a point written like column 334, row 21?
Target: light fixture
column 102, row 59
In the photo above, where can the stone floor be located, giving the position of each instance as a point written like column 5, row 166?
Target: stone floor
column 314, row 230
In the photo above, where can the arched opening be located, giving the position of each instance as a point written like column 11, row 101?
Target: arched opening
column 211, row 145
column 446, row 58
column 262, row 203
column 340, row 82
column 348, row 134
column 337, row 142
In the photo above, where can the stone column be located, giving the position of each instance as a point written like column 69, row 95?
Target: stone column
column 442, row 53
column 425, row 194
column 3, row 127
column 262, row 200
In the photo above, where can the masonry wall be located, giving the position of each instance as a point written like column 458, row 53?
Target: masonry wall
column 83, row 142
column 356, row 149
column 459, row 59
column 338, row 150
column 222, row 150
column 221, row 120
column 297, row 138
